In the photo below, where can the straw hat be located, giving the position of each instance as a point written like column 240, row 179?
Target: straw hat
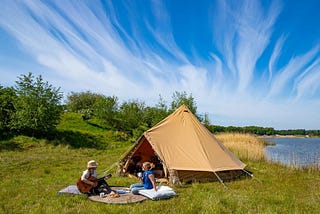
column 92, row 164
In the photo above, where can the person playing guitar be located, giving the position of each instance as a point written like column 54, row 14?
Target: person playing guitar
column 90, row 184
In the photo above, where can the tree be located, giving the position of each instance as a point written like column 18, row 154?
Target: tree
column 37, row 105
column 206, row 120
column 7, row 97
column 130, row 115
column 161, row 105
column 106, row 110
column 182, row 98
column 81, row 101
column 153, row 115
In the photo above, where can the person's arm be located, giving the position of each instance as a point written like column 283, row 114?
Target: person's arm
column 87, row 181
column 151, row 177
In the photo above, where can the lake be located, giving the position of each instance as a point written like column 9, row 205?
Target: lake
column 297, row 152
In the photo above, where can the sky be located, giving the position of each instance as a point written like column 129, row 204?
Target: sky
column 245, row 63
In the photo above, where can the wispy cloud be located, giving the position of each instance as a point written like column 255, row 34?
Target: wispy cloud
column 246, row 31
column 290, row 71
column 254, row 30
column 275, row 56
column 307, row 83
column 162, row 31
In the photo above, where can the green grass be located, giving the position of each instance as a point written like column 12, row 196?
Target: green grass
column 34, row 170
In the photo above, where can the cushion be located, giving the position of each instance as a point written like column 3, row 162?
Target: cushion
column 163, row 192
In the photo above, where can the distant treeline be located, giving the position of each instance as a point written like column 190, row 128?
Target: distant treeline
column 263, row 131
column 34, row 107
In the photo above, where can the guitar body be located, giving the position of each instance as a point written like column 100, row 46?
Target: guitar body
column 84, row 187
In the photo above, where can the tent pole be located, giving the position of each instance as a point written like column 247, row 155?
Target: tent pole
column 251, row 175
column 221, row 181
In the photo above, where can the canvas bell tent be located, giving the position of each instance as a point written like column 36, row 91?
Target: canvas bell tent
column 182, row 149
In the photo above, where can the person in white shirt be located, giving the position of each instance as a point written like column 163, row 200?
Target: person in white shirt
column 89, row 182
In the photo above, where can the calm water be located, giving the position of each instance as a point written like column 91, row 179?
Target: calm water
column 294, row 151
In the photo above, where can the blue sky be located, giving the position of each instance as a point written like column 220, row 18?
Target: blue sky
column 245, row 62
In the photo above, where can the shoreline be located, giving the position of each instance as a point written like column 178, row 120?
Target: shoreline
column 286, row 136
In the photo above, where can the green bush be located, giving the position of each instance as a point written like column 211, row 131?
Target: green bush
column 37, row 106
column 79, row 101
column 7, row 97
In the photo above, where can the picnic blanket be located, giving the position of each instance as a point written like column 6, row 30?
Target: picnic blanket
column 163, row 192
column 125, row 197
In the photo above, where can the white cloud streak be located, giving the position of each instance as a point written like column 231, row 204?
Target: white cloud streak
column 275, row 56
column 163, row 32
column 245, row 34
column 285, row 75
column 253, row 31
column 308, row 82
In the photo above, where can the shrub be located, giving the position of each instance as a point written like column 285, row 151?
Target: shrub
column 37, row 106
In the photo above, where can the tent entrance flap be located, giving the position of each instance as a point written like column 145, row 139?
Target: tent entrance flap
column 144, row 152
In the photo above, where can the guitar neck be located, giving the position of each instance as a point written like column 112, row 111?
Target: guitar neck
column 100, row 179
column 103, row 177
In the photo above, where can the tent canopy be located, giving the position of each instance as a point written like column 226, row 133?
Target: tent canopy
column 182, row 143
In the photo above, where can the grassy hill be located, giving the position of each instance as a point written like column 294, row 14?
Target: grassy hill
column 34, row 170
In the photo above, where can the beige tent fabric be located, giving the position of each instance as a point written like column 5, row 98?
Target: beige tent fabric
column 183, row 143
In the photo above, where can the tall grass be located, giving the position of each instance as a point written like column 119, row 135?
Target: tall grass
column 248, row 147
column 244, row 146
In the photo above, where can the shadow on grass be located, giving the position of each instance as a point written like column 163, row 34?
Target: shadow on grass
column 6, row 143
column 75, row 139
column 96, row 125
column 10, row 146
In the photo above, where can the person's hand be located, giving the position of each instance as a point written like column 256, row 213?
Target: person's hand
column 107, row 176
column 95, row 184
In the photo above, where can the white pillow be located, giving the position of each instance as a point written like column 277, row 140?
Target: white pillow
column 162, row 192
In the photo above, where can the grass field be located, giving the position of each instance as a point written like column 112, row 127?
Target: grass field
column 34, row 170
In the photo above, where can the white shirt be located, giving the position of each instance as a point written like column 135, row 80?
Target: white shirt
column 86, row 174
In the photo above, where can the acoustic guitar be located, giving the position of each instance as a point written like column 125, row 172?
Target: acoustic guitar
column 85, row 188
